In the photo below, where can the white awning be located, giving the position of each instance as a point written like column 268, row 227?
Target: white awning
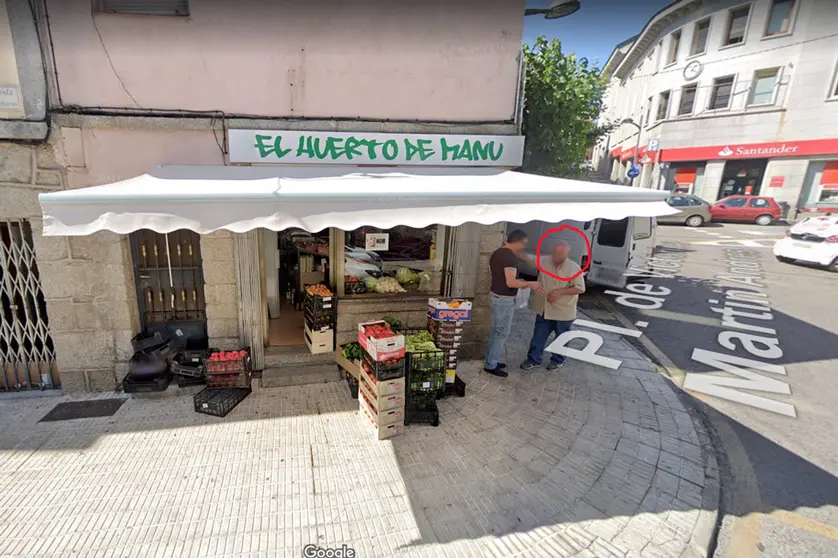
column 239, row 199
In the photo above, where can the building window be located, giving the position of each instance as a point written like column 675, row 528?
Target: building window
column 763, row 87
column 834, row 91
column 658, row 55
column 700, row 34
column 687, row 100
column 780, row 18
column 663, row 105
column 737, row 25
column 721, row 94
column 674, row 45
column 142, row 7
column 405, row 260
column 649, row 110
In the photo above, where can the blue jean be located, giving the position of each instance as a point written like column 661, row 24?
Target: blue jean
column 503, row 311
column 541, row 333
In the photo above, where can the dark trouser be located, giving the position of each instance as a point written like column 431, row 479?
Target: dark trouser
column 540, row 335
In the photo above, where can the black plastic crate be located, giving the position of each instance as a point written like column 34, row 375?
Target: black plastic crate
column 193, row 357
column 219, row 402
column 352, row 382
column 422, row 410
column 235, row 380
column 188, row 370
column 185, row 381
column 383, row 371
column 320, row 306
column 354, row 287
column 458, row 388
column 429, row 381
column 151, row 385
column 143, row 342
column 319, row 323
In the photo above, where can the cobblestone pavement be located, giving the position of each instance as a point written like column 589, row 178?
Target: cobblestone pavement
column 582, row 462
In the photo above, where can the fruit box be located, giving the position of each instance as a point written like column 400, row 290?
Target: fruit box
column 381, row 418
column 351, row 366
column 320, row 341
column 383, row 388
column 441, row 310
column 436, row 327
column 383, row 432
column 384, row 348
column 385, row 402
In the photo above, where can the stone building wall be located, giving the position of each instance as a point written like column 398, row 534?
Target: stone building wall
column 220, row 290
column 87, row 281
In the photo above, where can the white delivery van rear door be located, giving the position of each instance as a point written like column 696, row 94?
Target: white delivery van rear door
column 610, row 253
column 642, row 231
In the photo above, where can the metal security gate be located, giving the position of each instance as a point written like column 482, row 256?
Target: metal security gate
column 27, row 353
column 170, row 282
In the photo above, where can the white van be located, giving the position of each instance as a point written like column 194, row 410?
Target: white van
column 616, row 246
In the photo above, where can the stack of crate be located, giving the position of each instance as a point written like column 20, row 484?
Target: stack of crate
column 228, row 378
column 425, row 382
column 320, row 322
column 447, row 319
column 381, row 386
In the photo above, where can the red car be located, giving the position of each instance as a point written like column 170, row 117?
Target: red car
column 748, row 209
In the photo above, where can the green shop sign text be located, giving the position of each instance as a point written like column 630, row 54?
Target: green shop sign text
column 332, row 148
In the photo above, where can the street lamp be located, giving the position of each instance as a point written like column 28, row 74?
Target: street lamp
column 637, row 147
column 557, row 9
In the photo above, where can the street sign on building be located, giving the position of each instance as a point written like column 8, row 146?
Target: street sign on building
column 633, row 172
column 653, row 145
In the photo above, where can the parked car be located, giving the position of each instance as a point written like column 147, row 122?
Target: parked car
column 813, row 240
column 694, row 211
column 747, row 209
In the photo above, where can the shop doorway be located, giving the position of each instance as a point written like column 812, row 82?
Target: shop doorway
column 742, row 178
column 303, row 260
column 169, row 275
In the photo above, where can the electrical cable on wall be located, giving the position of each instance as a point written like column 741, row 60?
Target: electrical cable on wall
column 113, row 68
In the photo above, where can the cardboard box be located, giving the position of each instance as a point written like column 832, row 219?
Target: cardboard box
column 380, row 389
column 381, row 349
column 320, row 341
column 381, row 418
column 380, row 432
column 440, row 310
column 384, row 402
column 448, row 341
column 450, row 375
column 437, row 327
column 351, row 366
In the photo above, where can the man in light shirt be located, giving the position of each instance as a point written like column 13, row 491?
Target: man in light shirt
column 556, row 309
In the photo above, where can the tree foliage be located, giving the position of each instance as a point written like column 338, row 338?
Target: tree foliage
column 562, row 104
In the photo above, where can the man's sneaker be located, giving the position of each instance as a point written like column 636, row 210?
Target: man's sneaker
column 555, row 365
column 497, row 371
column 501, row 365
column 529, row 365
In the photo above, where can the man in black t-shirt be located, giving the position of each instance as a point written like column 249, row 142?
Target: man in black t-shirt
column 503, row 267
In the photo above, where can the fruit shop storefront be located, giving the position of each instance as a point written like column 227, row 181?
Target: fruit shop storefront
column 240, row 246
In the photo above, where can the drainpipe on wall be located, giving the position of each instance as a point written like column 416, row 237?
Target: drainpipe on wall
column 520, row 92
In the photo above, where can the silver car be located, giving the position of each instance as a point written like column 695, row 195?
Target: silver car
column 694, row 211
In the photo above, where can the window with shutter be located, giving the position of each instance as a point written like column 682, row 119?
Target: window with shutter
column 143, row 7
column 721, row 94
column 737, row 24
column 674, row 45
column 663, row 105
column 762, row 89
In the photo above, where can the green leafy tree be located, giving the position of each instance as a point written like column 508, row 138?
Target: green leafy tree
column 563, row 100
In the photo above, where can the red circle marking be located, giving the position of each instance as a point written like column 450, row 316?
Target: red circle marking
column 560, row 229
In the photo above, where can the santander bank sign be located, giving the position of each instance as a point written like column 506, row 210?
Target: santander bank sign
column 752, row 150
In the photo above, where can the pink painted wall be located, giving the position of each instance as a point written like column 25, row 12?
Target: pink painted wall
column 402, row 60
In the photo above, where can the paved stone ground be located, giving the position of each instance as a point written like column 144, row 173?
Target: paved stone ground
column 583, row 462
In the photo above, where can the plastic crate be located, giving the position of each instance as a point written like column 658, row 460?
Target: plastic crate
column 319, row 323
column 320, row 306
column 193, row 356
column 457, row 388
column 185, row 381
column 219, row 402
column 352, row 382
column 354, row 287
column 422, row 410
column 383, row 371
column 228, row 366
column 188, row 370
column 240, row 380
column 142, row 342
column 431, row 381
column 153, row 385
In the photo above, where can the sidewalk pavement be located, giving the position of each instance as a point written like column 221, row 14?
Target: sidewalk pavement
column 584, row 462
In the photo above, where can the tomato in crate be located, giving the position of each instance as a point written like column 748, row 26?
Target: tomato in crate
column 228, row 362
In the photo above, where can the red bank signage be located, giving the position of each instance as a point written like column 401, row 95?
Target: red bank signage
column 616, row 151
column 752, row 150
column 628, row 154
column 646, row 157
